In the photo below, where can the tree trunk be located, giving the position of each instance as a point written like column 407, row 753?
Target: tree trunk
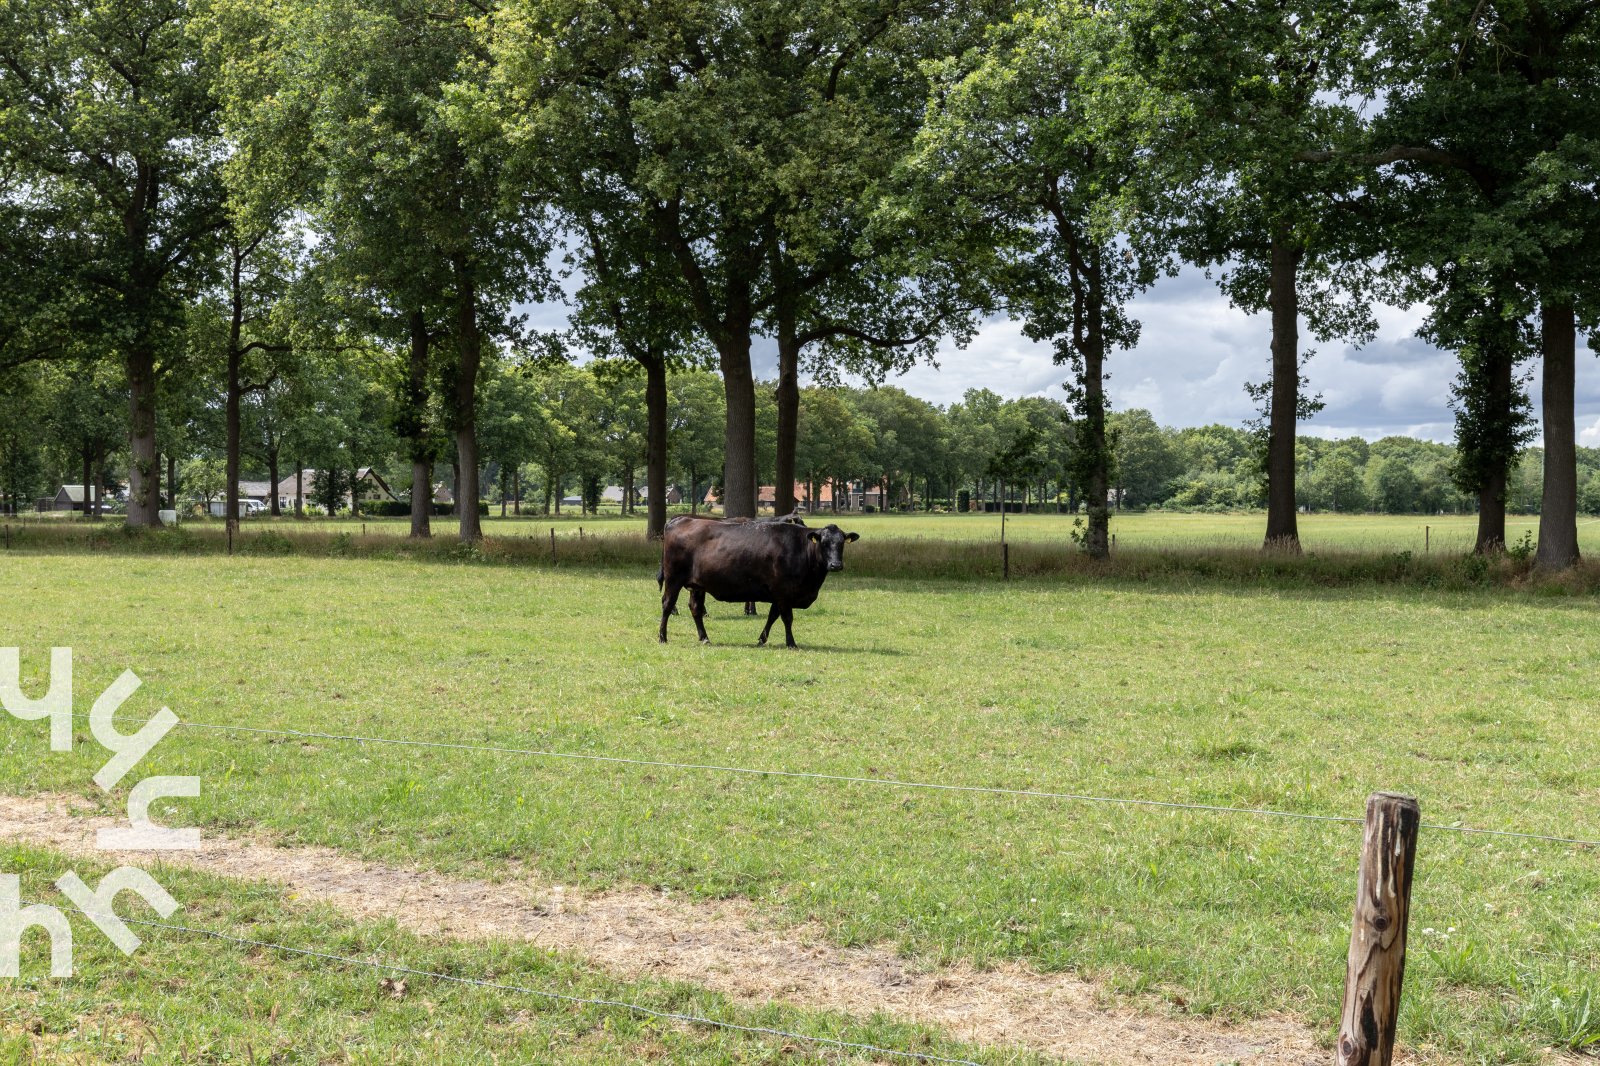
column 275, row 508
column 1283, row 530
column 417, row 427
column 470, row 344
column 1097, row 480
column 233, row 390
column 355, row 493
column 455, row 486
column 299, row 489
column 1499, row 375
column 1492, row 514
column 144, row 475
column 505, row 489
column 788, row 396
column 655, row 462
column 1558, row 510
column 739, row 439
column 516, row 490
column 230, row 489
column 88, row 476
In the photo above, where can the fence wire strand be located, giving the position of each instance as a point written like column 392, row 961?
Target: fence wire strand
column 886, row 782
column 561, row 997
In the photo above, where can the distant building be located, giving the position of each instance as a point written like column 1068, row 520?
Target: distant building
column 373, row 488
column 260, row 491
column 287, row 489
column 767, row 496
column 674, row 495
column 70, row 498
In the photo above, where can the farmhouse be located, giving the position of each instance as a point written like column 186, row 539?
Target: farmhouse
column 373, row 488
column 260, row 491
column 673, row 494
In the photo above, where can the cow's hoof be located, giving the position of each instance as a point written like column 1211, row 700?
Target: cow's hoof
column 661, row 640
column 761, row 643
column 705, row 640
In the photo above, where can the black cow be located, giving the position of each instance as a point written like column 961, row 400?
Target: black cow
column 777, row 563
column 792, row 519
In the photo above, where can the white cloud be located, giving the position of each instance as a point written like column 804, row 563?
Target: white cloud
column 1195, row 354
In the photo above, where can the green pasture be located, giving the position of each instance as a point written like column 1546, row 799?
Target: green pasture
column 1141, row 530
column 1481, row 703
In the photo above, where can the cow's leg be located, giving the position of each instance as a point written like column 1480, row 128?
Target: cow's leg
column 750, row 607
column 788, row 627
column 772, row 616
column 669, row 606
column 697, row 610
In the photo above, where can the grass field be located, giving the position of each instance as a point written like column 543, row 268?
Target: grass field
column 191, row 999
column 1480, row 703
column 1147, row 530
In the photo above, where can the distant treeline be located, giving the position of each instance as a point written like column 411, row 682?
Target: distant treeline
column 560, row 431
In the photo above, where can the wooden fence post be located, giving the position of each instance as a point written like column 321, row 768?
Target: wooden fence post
column 1005, row 559
column 1377, row 962
column 1427, row 539
column 552, row 545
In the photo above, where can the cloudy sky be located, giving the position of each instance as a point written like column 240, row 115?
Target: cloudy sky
column 1196, row 353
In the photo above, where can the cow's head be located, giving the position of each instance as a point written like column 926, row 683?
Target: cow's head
column 830, row 541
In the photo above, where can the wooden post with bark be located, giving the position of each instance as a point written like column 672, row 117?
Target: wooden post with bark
column 1377, row 961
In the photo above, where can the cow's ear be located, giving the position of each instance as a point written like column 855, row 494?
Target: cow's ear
column 814, row 536
column 852, row 536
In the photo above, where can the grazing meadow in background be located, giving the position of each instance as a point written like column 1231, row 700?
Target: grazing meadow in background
column 1148, row 529
column 1305, row 700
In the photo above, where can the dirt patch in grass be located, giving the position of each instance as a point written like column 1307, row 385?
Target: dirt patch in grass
column 724, row 946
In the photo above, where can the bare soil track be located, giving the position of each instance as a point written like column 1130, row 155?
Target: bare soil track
column 725, row 946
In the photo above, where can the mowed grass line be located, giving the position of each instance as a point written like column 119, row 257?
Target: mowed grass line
column 1481, row 704
column 188, row 998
